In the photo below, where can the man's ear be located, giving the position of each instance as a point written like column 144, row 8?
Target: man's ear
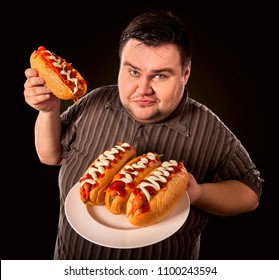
column 187, row 72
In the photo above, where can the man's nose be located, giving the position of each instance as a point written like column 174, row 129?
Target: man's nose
column 144, row 86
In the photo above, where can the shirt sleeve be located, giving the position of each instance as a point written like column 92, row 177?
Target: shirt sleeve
column 239, row 166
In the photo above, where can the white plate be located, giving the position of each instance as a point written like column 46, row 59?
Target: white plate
column 98, row 225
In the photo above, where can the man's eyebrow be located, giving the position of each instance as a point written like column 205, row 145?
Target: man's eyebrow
column 167, row 69
column 127, row 63
column 155, row 71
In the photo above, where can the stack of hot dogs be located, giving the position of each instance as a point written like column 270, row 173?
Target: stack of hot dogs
column 142, row 187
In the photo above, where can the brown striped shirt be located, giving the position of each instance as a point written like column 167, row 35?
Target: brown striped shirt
column 192, row 134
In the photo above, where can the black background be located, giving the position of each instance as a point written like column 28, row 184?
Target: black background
column 233, row 72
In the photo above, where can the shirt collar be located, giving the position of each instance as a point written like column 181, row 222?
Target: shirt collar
column 179, row 119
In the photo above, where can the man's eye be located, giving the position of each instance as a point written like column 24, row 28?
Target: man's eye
column 134, row 73
column 160, row 76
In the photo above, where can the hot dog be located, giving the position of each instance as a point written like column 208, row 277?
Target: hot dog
column 60, row 77
column 100, row 173
column 158, row 194
column 127, row 179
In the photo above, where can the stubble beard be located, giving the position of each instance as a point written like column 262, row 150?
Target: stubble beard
column 154, row 117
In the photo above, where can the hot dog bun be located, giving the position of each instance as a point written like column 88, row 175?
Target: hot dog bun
column 127, row 179
column 100, row 173
column 60, row 77
column 158, row 194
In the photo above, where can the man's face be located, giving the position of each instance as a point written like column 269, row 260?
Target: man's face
column 151, row 82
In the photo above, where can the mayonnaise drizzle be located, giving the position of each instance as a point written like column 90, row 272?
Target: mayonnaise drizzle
column 133, row 168
column 160, row 174
column 59, row 64
column 102, row 162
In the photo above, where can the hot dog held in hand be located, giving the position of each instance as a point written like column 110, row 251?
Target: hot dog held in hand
column 60, row 77
column 157, row 194
column 100, row 173
column 125, row 181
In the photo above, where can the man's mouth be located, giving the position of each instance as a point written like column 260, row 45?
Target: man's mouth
column 144, row 102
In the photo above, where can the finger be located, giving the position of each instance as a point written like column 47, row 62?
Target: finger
column 34, row 82
column 31, row 72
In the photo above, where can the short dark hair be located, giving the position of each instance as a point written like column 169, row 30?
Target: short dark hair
column 156, row 28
